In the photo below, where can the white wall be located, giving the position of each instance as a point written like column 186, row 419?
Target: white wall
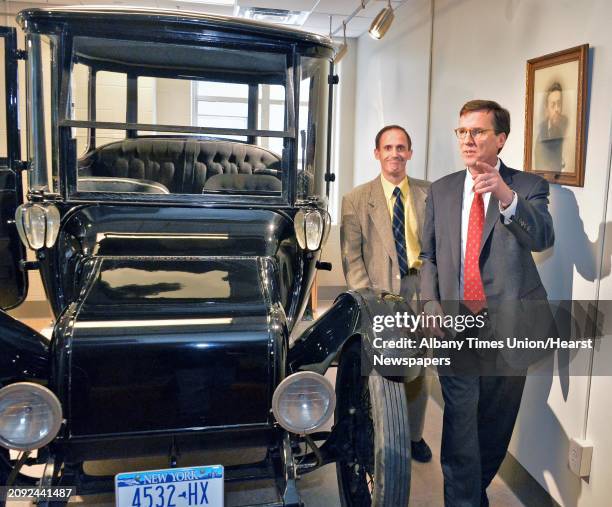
column 392, row 88
column 597, row 491
column 111, row 101
column 173, row 101
column 341, row 161
column 479, row 50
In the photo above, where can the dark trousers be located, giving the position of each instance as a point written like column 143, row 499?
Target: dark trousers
column 417, row 391
column 479, row 416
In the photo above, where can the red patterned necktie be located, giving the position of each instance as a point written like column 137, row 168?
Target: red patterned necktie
column 473, row 290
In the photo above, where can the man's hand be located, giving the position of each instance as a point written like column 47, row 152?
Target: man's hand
column 434, row 309
column 488, row 179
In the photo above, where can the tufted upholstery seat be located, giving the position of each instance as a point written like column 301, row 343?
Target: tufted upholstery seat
column 181, row 165
column 243, row 182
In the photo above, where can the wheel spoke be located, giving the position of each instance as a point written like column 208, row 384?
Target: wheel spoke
column 370, row 480
column 359, row 473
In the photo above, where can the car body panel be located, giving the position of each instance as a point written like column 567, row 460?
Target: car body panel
column 13, row 278
column 25, row 353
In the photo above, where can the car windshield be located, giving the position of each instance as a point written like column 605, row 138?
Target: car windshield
column 159, row 118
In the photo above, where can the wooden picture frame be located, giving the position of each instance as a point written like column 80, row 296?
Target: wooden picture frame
column 555, row 116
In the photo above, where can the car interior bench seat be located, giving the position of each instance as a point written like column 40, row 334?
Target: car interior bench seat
column 181, row 165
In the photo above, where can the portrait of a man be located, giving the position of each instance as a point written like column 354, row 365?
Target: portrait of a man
column 552, row 132
column 555, row 116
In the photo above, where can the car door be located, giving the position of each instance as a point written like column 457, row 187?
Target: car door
column 13, row 277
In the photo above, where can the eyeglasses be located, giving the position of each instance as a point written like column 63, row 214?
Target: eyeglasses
column 462, row 133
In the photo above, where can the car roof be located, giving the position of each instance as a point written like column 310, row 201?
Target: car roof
column 53, row 19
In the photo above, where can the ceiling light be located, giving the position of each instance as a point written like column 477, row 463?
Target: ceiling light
column 382, row 22
column 279, row 16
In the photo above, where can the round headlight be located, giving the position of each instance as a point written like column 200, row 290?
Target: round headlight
column 303, row 402
column 30, row 416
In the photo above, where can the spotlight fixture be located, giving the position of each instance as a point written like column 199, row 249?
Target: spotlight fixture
column 382, row 22
column 343, row 49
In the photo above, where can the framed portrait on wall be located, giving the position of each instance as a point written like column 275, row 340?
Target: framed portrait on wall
column 555, row 116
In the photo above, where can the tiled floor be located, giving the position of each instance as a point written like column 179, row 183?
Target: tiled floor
column 319, row 489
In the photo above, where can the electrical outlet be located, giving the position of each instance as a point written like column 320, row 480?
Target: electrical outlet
column 580, row 455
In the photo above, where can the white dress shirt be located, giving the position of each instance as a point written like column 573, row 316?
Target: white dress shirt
column 468, row 197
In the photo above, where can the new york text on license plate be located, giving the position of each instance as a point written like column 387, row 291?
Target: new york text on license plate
column 174, row 487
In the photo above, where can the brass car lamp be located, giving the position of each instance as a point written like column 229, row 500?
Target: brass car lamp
column 312, row 228
column 38, row 224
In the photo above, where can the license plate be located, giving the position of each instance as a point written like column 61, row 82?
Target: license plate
column 173, row 487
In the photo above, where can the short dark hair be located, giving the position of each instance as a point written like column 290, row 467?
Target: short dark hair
column 391, row 127
column 501, row 116
column 555, row 87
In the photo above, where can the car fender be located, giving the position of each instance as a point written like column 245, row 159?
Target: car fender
column 25, row 353
column 350, row 317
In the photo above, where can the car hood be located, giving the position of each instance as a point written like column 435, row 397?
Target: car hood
column 169, row 344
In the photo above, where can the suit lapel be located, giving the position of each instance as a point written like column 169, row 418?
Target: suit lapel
column 379, row 213
column 493, row 214
column 491, row 218
column 455, row 202
column 418, row 199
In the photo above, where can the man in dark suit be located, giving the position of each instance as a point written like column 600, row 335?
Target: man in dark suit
column 380, row 235
column 482, row 258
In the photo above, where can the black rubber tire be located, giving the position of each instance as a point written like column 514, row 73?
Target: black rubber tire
column 5, row 468
column 378, row 436
column 4, row 471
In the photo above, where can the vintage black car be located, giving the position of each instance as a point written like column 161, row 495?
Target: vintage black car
column 177, row 251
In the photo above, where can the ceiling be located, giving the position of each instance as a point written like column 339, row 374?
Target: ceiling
column 318, row 20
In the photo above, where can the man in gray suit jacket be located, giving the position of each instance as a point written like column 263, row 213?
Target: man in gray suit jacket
column 481, row 226
column 381, row 244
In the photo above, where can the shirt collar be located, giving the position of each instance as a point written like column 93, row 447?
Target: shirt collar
column 389, row 187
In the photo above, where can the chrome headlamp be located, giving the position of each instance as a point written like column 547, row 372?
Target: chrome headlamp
column 37, row 224
column 30, row 416
column 303, row 402
column 312, row 228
